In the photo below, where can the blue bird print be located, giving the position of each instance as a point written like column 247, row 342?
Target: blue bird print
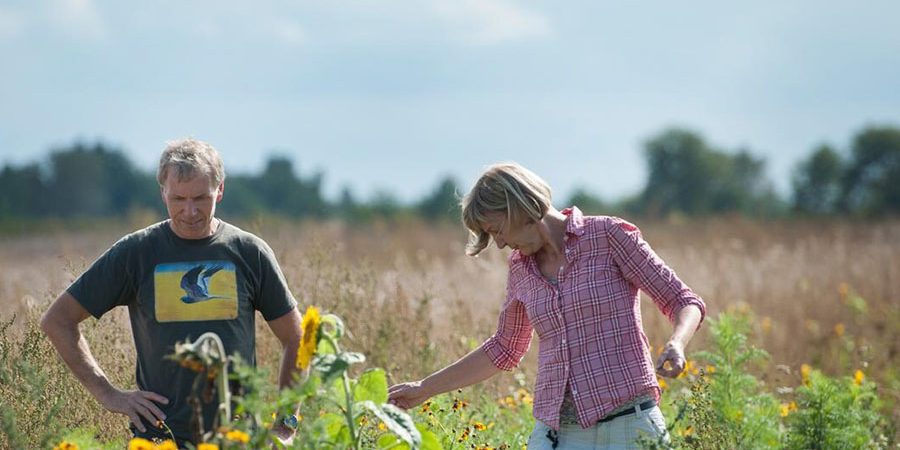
column 196, row 283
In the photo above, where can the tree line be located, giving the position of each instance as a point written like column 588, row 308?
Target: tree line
column 686, row 176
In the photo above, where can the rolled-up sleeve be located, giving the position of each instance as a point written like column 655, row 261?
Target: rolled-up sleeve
column 642, row 267
column 513, row 336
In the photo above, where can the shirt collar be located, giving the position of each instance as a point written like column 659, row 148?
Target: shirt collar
column 574, row 226
column 574, row 221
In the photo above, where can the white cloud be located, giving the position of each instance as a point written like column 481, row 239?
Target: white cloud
column 80, row 18
column 487, row 22
column 12, row 24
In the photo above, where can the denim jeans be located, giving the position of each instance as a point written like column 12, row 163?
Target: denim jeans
column 620, row 433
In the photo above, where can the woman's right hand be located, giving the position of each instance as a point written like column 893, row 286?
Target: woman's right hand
column 407, row 395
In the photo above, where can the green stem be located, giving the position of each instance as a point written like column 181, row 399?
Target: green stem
column 348, row 396
column 350, row 420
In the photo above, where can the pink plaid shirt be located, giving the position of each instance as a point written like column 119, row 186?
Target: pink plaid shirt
column 589, row 324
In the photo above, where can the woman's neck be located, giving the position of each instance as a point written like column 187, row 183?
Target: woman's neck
column 553, row 227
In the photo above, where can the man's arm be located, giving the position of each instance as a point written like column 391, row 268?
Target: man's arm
column 287, row 329
column 60, row 324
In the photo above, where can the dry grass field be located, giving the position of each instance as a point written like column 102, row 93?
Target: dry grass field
column 825, row 294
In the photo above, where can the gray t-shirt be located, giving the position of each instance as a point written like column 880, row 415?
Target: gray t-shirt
column 178, row 289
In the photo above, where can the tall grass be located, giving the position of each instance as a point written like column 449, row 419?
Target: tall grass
column 825, row 294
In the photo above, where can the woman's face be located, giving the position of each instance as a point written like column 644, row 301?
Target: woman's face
column 523, row 236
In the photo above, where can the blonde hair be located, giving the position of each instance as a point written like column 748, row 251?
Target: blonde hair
column 507, row 188
column 189, row 156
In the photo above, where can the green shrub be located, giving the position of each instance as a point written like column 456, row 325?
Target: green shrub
column 834, row 413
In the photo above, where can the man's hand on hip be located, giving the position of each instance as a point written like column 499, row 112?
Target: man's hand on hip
column 136, row 405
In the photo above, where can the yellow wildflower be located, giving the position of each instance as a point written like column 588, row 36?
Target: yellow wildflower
column 310, row 328
column 662, row 383
column 710, row 368
column 844, row 290
column 479, row 426
column 66, row 445
column 839, row 329
column 237, row 436
column 687, row 431
column 465, row 435
column 524, row 396
column 805, row 369
column 508, row 401
column 382, row 426
column 785, row 409
column 688, row 368
column 140, row 444
column 766, row 324
column 168, row 444
column 859, row 377
column 205, row 446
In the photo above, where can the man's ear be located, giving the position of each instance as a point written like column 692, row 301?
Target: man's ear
column 220, row 191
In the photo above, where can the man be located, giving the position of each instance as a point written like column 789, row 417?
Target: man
column 179, row 278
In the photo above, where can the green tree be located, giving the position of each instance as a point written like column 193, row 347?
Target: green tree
column 23, row 192
column 587, row 202
column 241, row 197
column 687, row 175
column 870, row 182
column 283, row 192
column 817, row 182
column 91, row 181
column 442, row 203
column 744, row 187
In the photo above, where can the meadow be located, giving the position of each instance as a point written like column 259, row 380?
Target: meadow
column 821, row 298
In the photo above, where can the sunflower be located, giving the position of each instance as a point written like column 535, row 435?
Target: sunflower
column 310, row 328
column 140, row 444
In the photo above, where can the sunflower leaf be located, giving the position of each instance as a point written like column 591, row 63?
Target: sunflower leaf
column 372, row 386
column 397, row 421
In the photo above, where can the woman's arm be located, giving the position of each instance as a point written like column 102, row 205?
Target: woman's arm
column 468, row 370
column 687, row 319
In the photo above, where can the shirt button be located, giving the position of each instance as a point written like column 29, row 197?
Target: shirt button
column 564, row 340
column 575, row 391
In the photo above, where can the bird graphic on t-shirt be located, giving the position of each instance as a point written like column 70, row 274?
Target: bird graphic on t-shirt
column 196, row 283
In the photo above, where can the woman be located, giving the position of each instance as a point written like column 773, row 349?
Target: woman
column 574, row 279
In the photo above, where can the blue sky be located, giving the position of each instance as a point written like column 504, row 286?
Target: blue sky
column 392, row 95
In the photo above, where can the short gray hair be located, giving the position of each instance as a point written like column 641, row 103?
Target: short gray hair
column 189, row 156
column 508, row 188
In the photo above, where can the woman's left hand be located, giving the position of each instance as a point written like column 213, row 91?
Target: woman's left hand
column 671, row 362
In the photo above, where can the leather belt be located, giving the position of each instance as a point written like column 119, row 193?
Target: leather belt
column 642, row 407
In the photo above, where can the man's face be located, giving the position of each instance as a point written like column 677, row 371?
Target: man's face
column 191, row 204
